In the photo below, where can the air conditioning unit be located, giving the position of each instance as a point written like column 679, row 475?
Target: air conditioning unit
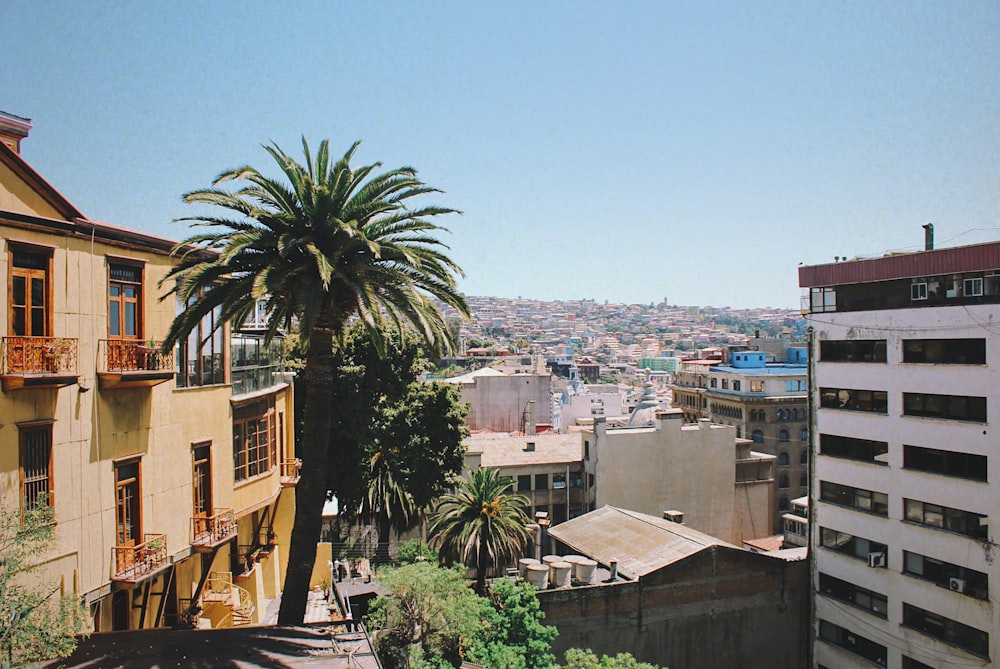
column 956, row 584
column 876, row 559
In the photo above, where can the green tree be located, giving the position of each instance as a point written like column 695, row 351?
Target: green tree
column 398, row 442
column 429, row 617
column 326, row 243
column 36, row 622
column 520, row 639
column 481, row 525
column 577, row 658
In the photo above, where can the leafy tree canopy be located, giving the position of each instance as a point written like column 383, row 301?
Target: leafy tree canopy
column 577, row 658
column 386, row 421
column 432, row 619
column 36, row 621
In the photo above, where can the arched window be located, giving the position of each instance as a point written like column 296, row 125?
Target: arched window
column 783, row 504
column 783, row 436
column 804, row 457
column 804, row 435
column 803, row 480
column 783, row 481
column 795, row 414
column 783, row 459
column 758, row 437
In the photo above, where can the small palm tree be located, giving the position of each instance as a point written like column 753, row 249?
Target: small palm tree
column 482, row 525
column 325, row 244
column 386, row 503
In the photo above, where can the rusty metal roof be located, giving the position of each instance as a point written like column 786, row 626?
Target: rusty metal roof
column 973, row 258
column 642, row 544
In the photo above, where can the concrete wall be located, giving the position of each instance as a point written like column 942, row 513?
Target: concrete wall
column 690, row 468
column 498, row 403
column 722, row 608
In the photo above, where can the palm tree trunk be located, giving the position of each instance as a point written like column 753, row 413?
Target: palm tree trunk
column 382, row 552
column 482, row 562
column 310, row 493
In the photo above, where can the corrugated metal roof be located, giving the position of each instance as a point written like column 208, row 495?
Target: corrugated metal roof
column 642, row 544
column 974, row 258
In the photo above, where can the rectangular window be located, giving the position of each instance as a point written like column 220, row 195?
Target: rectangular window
column 200, row 356
column 725, row 384
column 575, row 479
column 948, row 407
column 947, row 463
column 852, row 350
column 541, row 481
column 944, row 629
column 849, row 399
column 918, row 291
column 946, row 518
column 124, row 301
column 822, row 299
column 524, row 483
column 855, row 498
column 558, row 481
column 910, row 663
column 972, row 287
column 736, row 385
column 852, row 448
column 202, row 479
column 945, row 351
column 756, row 386
column 128, row 522
column 869, row 600
column 852, row 643
column 36, row 464
column 947, row 575
column 848, row 544
column 253, row 434
column 29, row 313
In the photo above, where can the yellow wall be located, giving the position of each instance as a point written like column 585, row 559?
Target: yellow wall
column 93, row 428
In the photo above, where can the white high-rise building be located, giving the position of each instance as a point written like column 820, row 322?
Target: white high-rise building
column 905, row 488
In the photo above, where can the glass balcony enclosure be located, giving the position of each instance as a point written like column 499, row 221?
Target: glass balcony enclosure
column 254, row 365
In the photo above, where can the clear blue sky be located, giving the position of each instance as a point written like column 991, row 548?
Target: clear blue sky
column 627, row 151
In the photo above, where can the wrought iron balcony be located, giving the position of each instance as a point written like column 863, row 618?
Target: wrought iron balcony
column 134, row 564
column 130, row 363
column 209, row 532
column 38, row 362
column 290, row 472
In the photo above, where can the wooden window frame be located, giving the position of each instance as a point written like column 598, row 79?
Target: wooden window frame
column 24, row 429
column 117, row 465
column 41, row 251
column 115, row 261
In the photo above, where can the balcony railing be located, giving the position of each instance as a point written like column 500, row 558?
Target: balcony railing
column 130, row 363
column 210, row 531
column 131, row 355
column 290, row 472
column 134, row 564
column 38, row 361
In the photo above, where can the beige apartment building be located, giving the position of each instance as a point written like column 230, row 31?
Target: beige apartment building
column 170, row 473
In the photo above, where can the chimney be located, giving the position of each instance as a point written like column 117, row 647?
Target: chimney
column 532, row 419
column 13, row 129
column 929, row 237
column 613, row 566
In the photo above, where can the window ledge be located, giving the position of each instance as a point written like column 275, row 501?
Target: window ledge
column 954, row 533
column 254, row 479
column 205, row 387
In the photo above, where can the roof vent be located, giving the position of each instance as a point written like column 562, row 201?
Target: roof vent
column 674, row 516
column 530, row 446
column 928, row 237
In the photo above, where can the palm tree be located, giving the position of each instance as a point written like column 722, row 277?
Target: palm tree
column 386, row 503
column 321, row 246
column 482, row 525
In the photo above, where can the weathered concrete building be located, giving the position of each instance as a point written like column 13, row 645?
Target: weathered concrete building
column 681, row 598
column 501, row 402
column 717, row 481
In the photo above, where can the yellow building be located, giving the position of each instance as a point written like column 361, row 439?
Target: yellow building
column 171, row 475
